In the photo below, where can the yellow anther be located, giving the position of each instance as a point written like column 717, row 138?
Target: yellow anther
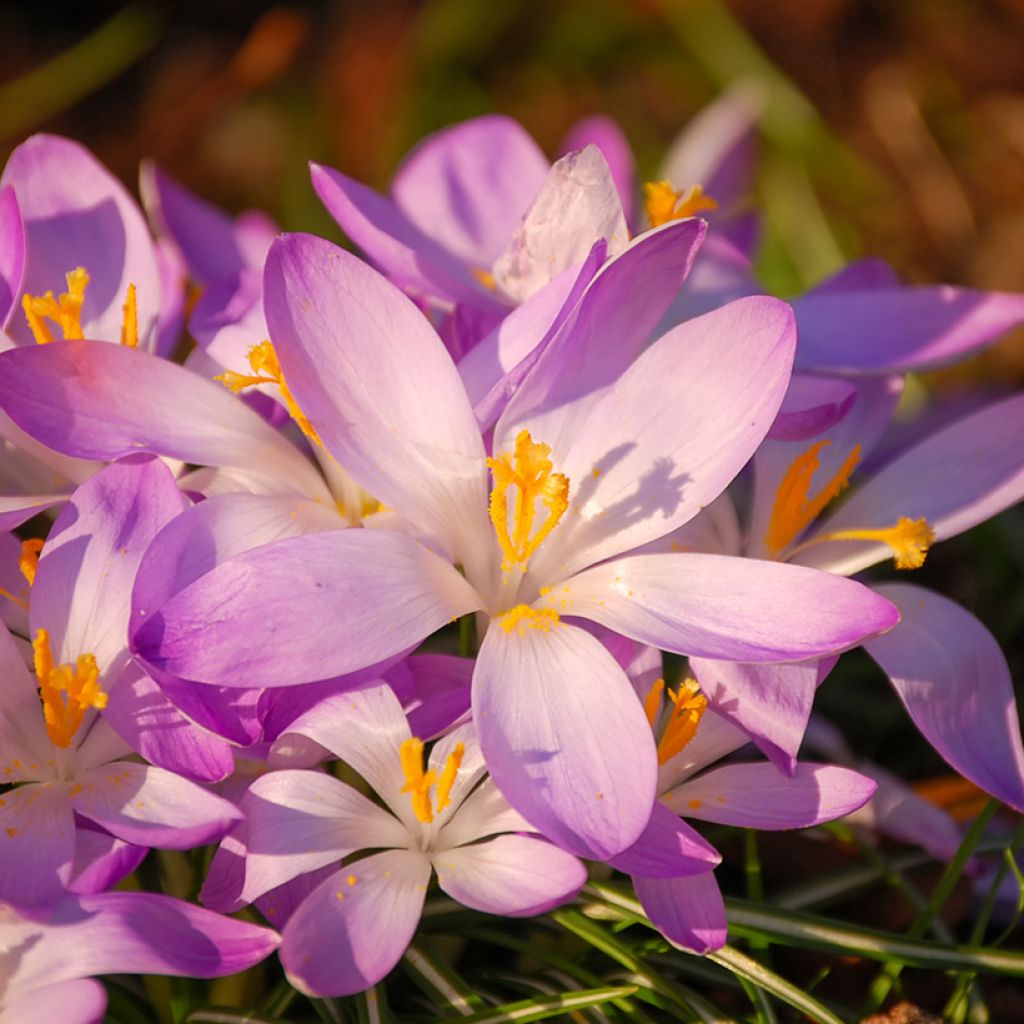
column 527, row 471
column 451, row 768
column 664, row 203
column 417, row 781
column 524, row 617
column 130, row 322
column 28, row 560
column 485, row 277
column 65, row 312
column 794, row 511
column 267, row 370
column 688, row 707
column 67, row 691
column 652, row 702
column 909, row 539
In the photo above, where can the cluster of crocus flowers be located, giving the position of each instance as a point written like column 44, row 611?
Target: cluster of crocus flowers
column 528, row 419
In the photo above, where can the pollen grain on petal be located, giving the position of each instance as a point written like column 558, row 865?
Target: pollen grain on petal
column 524, row 617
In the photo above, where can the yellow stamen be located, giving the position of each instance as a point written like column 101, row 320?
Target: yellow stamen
column 451, row 768
column 527, row 471
column 65, row 312
column 909, row 539
column 664, row 203
column 418, row 782
column 688, row 707
column 485, row 277
column 652, row 702
column 794, row 511
column 28, row 560
column 267, row 370
column 130, row 322
column 67, row 691
column 523, row 617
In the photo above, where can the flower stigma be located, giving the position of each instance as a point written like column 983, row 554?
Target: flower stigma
column 67, row 691
column 688, row 707
column 66, row 312
column 664, row 203
column 419, row 782
column 522, row 478
column 267, row 370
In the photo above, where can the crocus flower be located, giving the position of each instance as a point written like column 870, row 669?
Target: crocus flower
column 47, row 956
column 576, row 481
column 442, row 816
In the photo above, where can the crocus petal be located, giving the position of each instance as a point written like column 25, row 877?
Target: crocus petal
column 515, row 876
column 298, row 821
column 171, row 320
column 610, row 139
column 441, row 695
column 12, row 252
column 754, row 795
column 16, row 510
column 355, row 597
column 898, row 329
column 104, row 401
column 376, row 382
column 348, row 935
column 132, row 933
column 667, row 848
column 954, row 682
column 688, row 911
column 68, row 1002
column 37, row 844
column 152, row 807
column 642, row 458
column 101, row 860
column 771, row 703
column 734, row 609
column 565, row 737
column 485, row 812
column 942, row 479
column 577, row 205
column 82, row 590
column 77, row 214
column 467, row 187
column 393, row 243
column 716, row 738
column 811, row 406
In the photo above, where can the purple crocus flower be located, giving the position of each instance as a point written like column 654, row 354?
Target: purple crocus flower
column 48, row 955
column 444, row 816
column 577, row 480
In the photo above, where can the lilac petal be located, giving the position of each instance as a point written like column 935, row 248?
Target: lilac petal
column 688, row 911
column 152, row 807
column 577, row 205
column 67, row 1002
column 142, row 715
column 642, row 458
column 515, row 876
column 942, row 479
column 954, row 682
column 485, row 812
column 667, row 848
column 82, row 591
column 278, row 905
column 860, row 275
column 734, row 609
column 13, row 614
column 441, row 695
column 228, row 320
column 898, row 329
column 376, row 382
column 348, row 935
column 77, row 214
column 565, row 737
column 811, row 406
column 104, row 401
column 225, row 877
column 771, row 703
column 171, row 320
column 12, row 253
column 393, row 243
column 355, row 597
column 101, row 860
column 17, row 510
column 754, row 795
column 863, row 425
column 299, row 821
column 467, row 187
column 204, row 234
column 610, row 139
column 37, row 844
column 716, row 738
column 133, row 933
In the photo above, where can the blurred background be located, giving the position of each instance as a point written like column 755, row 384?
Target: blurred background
column 889, row 129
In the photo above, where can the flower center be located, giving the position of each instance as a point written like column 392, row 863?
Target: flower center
column 523, row 617
column 794, row 511
column 418, row 782
column 66, row 312
column 522, row 479
column 688, row 707
column 67, row 691
column 664, row 203
column 28, row 561
column 267, row 370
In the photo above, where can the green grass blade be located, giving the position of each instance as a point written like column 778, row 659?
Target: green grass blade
column 440, row 983
column 547, row 1006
